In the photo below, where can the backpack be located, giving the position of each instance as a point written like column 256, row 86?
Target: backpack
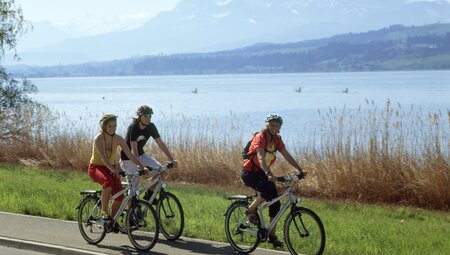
column 246, row 155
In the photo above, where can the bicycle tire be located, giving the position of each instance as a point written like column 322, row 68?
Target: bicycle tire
column 304, row 232
column 91, row 225
column 171, row 216
column 142, row 225
column 235, row 222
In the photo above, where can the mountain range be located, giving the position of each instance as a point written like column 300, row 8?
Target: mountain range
column 217, row 25
column 395, row 47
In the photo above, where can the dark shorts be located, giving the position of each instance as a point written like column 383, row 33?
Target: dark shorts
column 259, row 181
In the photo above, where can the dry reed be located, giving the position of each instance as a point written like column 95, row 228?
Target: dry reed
column 388, row 155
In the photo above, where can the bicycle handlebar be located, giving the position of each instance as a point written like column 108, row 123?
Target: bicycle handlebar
column 291, row 177
column 141, row 172
column 162, row 168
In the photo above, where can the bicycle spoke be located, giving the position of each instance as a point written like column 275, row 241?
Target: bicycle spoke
column 171, row 216
column 240, row 233
column 89, row 221
column 142, row 226
column 304, row 233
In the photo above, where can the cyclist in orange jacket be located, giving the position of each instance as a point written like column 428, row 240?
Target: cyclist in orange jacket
column 257, row 174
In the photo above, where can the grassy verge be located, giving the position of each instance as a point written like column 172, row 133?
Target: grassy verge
column 389, row 155
column 350, row 228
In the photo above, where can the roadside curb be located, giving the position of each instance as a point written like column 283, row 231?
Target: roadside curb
column 43, row 247
column 183, row 238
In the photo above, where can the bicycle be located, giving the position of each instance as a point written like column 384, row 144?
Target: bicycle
column 141, row 221
column 169, row 210
column 303, row 230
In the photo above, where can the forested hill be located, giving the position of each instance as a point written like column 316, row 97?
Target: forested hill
column 394, row 48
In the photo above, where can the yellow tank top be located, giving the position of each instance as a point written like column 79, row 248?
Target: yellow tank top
column 270, row 155
column 97, row 160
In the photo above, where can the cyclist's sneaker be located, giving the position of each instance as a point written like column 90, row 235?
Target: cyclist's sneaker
column 107, row 220
column 148, row 195
column 115, row 228
column 275, row 242
column 252, row 217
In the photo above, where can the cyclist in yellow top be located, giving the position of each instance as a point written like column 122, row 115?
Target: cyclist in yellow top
column 103, row 167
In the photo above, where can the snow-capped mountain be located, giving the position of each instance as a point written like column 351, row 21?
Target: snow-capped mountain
column 210, row 25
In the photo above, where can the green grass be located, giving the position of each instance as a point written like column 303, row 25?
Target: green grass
column 350, row 228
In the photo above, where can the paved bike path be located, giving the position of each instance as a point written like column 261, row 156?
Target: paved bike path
column 63, row 237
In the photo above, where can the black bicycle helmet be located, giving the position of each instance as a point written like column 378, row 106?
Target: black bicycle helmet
column 144, row 110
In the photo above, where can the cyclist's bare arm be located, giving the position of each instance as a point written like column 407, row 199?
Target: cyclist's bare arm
column 291, row 160
column 261, row 154
column 126, row 150
column 134, row 149
column 166, row 151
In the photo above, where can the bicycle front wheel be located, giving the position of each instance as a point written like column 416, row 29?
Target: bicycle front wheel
column 241, row 233
column 90, row 221
column 142, row 225
column 171, row 216
column 304, row 232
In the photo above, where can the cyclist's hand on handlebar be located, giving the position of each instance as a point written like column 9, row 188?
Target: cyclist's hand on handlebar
column 174, row 163
column 272, row 178
column 302, row 174
column 115, row 172
column 147, row 172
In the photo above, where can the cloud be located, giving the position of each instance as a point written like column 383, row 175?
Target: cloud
column 221, row 15
column 414, row 1
column 87, row 17
column 92, row 24
column 223, row 3
column 251, row 20
column 188, row 17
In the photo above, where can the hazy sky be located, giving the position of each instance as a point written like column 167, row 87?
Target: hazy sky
column 87, row 17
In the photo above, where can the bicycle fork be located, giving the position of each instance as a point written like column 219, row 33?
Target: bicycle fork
column 167, row 209
column 294, row 212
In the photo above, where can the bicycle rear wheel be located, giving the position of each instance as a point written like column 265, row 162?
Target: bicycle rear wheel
column 90, row 221
column 142, row 225
column 241, row 233
column 170, row 215
column 304, row 232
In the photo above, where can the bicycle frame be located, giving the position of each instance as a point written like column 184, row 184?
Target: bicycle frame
column 130, row 189
column 157, row 180
column 284, row 207
column 287, row 192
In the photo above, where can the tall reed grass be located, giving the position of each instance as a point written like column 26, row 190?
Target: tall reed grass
column 387, row 155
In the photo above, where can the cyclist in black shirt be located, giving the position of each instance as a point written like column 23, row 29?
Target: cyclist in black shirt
column 138, row 133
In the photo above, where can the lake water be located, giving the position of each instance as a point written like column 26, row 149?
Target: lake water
column 242, row 99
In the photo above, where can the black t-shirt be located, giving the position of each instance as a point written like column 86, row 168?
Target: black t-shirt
column 135, row 133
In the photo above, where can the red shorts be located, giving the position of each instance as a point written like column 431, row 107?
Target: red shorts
column 104, row 177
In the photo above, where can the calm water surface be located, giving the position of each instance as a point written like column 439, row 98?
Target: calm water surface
column 242, row 99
